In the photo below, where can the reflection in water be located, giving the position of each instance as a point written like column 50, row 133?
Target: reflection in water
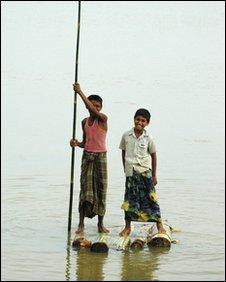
column 135, row 265
column 90, row 266
column 141, row 265
column 68, row 258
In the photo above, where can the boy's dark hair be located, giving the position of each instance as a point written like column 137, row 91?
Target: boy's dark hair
column 95, row 98
column 144, row 113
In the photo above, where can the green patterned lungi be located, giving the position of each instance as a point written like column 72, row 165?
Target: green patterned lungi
column 140, row 199
column 93, row 181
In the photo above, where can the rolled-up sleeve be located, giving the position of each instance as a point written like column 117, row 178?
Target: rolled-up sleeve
column 151, row 146
column 122, row 144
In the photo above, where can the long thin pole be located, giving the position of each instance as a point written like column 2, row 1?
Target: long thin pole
column 74, row 121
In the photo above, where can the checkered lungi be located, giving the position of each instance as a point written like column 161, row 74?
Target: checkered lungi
column 93, row 181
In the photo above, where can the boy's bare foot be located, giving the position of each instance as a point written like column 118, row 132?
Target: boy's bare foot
column 102, row 229
column 160, row 228
column 80, row 231
column 125, row 232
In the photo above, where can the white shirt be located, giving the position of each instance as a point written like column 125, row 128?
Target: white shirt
column 137, row 151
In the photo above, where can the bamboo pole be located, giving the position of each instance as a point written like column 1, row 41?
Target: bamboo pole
column 74, row 121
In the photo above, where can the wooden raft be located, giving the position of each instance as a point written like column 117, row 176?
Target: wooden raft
column 100, row 245
column 138, row 243
column 80, row 242
column 123, row 243
column 155, row 239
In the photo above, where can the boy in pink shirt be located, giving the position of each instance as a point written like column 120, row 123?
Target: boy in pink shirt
column 93, row 179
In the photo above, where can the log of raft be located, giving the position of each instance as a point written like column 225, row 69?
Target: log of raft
column 80, row 242
column 155, row 239
column 123, row 243
column 100, row 245
column 138, row 243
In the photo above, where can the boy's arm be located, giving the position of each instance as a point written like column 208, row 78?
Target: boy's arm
column 154, row 167
column 82, row 144
column 88, row 104
column 75, row 142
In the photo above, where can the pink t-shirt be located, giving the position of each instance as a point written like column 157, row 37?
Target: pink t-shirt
column 95, row 138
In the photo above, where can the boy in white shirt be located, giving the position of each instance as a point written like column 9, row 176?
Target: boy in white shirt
column 140, row 163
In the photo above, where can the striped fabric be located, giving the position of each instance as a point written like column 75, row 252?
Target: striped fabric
column 93, row 180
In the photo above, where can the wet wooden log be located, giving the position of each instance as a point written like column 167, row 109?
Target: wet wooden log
column 80, row 242
column 155, row 239
column 138, row 243
column 123, row 243
column 100, row 245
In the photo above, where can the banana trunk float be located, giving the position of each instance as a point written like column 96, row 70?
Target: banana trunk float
column 155, row 239
column 123, row 243
column 138, row 243
column 101, row 244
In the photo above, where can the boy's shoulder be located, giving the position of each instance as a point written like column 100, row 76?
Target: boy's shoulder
column 84, row 120
column 148, row 135
column 127, row 133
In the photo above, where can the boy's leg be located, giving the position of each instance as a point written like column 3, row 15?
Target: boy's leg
column 127, row 229
column 160, row 227
column 100, row 225
column 80, row 230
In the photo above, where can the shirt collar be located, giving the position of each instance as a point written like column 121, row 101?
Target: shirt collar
column 144, row 134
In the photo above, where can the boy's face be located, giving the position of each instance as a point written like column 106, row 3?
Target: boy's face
column 140, row 122
column 96, row 104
